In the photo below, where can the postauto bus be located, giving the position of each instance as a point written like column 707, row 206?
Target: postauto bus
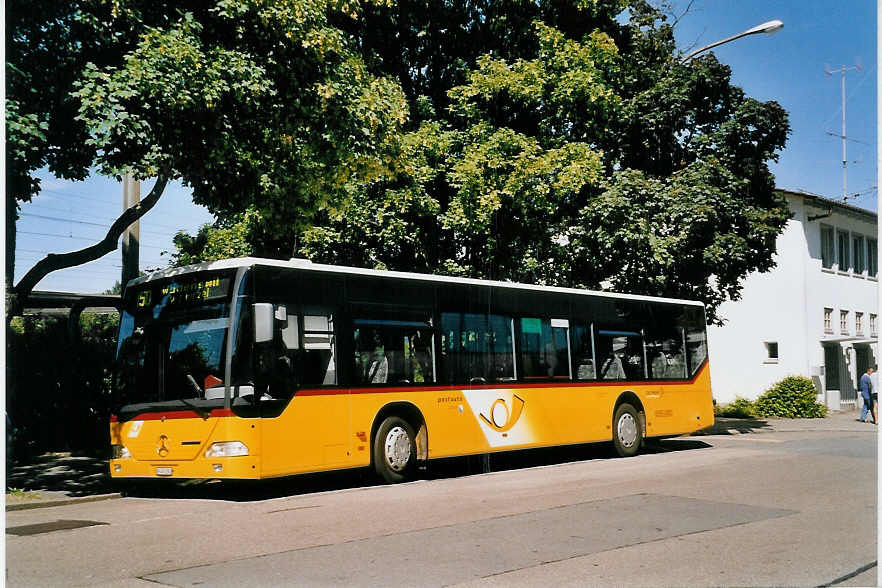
column 255, row 368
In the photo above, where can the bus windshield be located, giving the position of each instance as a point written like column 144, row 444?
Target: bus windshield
column 172, row 340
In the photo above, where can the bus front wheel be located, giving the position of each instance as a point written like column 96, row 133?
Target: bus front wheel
column 395, row 450
column 627, row 430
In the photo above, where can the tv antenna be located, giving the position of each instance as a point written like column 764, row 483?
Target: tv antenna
column 842, row 70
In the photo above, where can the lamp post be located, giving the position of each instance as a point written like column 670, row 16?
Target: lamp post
column 768, row 28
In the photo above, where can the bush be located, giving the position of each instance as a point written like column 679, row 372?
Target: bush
column 58, row 390
column 794, row 397
column 740, row 408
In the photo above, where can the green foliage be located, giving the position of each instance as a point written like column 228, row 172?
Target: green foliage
column 58, row 390
column 553, row 142
column 793, row 397
column 115, row 289
column 740, row 408
column 556, row 143
column 258, row 106
column 221, row 241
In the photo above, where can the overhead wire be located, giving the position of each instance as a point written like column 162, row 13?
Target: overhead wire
column 100, row 200
column 142, row 245
column 82, row 222
column 143, row 220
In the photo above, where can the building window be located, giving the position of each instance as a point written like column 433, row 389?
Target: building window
column 872, row 258
column 771, row 352
column 858, row 254
column 873, row 332
column 858, row 323
column 843, row 322
column 827, row 248
column 844, row 258
column 828, row 320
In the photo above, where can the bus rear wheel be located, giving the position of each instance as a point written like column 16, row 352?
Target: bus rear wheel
column 627, row 430
column 395, row 451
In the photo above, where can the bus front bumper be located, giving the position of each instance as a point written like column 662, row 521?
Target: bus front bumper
column 244, row 467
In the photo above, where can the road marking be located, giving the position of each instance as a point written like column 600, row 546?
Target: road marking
column 294, row 508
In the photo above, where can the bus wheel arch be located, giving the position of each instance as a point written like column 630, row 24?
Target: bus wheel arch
column 391, row 424
column 628, row 424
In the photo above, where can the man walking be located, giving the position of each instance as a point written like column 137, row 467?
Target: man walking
column 874, row 393
column 866, row 388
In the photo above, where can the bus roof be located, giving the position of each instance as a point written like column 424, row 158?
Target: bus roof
column 306, row 265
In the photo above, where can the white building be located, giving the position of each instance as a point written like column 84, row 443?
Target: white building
column 815, row 314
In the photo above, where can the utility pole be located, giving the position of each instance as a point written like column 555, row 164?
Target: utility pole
column 131, row 237
column 842, row 71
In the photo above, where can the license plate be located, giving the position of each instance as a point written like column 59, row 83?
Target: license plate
column 163, row 471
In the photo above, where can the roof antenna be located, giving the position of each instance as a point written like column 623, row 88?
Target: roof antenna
column 830, row 72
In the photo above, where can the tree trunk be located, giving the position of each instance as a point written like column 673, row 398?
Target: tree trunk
column 11, row 217
column 54, row 262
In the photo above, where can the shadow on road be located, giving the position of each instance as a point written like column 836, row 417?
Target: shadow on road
column 733, row 426
column 248, row 490
column 244, row 491
column 85, row 475
column 75, row 475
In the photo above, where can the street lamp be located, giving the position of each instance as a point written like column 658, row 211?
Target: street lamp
column 770, row 27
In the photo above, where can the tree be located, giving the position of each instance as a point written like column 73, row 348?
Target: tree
column 259, row 106
column 574, row 149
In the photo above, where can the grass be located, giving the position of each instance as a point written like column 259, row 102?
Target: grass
column 22, row 494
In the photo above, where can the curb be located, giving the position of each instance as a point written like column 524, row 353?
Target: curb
column 61, row 501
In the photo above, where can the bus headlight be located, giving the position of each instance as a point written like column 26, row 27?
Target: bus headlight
column 119, row 452
column 227, row 449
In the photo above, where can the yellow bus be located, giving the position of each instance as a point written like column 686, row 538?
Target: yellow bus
column 255, row 368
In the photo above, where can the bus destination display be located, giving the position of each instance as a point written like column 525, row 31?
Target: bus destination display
column 180, row 293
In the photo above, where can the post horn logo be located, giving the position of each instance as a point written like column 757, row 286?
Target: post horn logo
column 501, row 420
column 162, row 449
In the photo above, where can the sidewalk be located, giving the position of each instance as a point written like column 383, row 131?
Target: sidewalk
column 835, row 421
column 54, row 479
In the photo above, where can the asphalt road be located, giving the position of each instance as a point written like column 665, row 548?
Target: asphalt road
column 792, row 505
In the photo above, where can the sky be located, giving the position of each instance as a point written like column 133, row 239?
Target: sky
column 788, row 67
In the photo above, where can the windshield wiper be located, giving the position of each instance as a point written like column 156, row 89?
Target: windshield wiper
column 201, row 411
column 195, row 385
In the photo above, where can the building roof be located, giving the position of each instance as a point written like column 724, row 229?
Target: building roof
column 829, row 204
column 60, row 303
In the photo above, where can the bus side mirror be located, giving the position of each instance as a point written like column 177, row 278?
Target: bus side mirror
column 263, row 322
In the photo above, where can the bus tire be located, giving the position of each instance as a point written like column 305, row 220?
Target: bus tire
column 627, row 431
column 395, row 451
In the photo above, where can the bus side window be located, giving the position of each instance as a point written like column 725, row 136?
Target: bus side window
column 620, row 355
column 477, row 348
column 319, row 365
column 371, row 362
column 696, row 345
column 291, row 333
column 665, row 356
column 583, row 355
column 544, row 348
column 396, row 352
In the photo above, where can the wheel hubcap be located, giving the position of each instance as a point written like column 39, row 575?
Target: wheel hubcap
column 397, row 448
column 627, row 430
